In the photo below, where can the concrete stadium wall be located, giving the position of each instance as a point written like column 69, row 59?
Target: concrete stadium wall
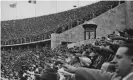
column 120, row 17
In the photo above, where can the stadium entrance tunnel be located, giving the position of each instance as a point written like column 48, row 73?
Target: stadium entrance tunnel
column 89, row 31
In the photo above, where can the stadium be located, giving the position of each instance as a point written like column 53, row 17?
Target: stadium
column 65, row 37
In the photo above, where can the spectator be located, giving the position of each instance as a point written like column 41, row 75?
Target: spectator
column 123, row 64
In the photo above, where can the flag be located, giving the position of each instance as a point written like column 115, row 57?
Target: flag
column 13, row 5
column 74, row 6
column 32, row 1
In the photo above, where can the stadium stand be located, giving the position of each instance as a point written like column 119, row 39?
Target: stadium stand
column 40, row 28
column 22, row 64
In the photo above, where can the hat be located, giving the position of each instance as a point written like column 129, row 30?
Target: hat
column 85, row 60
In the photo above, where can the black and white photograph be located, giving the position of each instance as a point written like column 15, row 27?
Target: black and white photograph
column 66, row 40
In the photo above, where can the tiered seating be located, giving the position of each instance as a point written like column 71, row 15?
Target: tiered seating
column 40, row 28
column 12, row 61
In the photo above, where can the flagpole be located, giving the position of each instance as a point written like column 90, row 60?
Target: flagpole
column 14, row 5
column 74, row 11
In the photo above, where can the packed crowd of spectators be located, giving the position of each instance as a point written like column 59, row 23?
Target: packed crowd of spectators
column 46, row 64
column 40, row 28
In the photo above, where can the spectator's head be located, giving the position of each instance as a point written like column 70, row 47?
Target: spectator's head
column 93, row 56
column 108, row 36
column 123, row 59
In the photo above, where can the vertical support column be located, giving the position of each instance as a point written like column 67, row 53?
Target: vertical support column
column 95, row 34
column 89, row 34
column 2, row 49
column 84, row 35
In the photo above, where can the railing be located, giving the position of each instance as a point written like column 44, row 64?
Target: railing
column 26, row 43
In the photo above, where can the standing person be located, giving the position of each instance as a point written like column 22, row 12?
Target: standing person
column 123, row 62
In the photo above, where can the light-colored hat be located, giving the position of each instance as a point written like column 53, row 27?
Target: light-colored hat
column 85, row 60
